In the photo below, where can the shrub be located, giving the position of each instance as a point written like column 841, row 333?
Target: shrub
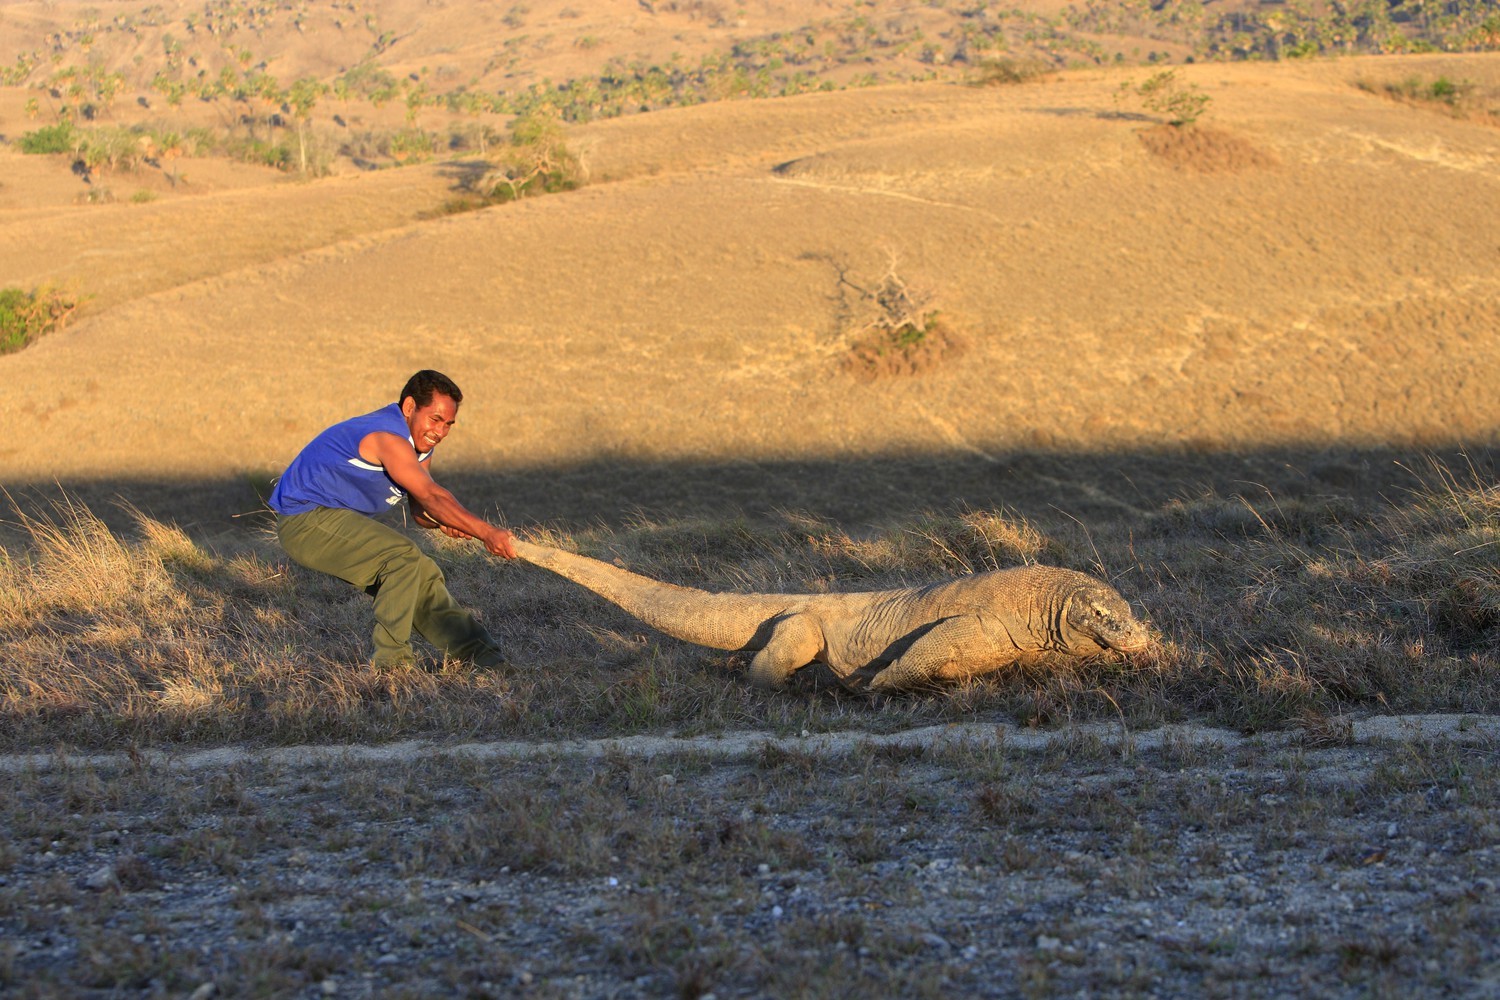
column 59, row 138
column 536, row 160
column 259, row 151
column 907, row 350
column 110, row 148
column 1439, row 91
column 1164, row 94
column 25, row 316
column 892, row 326
column 1000, row 72
column 411, row 145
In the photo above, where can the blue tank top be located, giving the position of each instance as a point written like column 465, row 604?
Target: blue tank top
column 330, row 473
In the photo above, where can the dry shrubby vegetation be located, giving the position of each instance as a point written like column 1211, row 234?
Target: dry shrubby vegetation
column 891, row 326
column 1271, row 612
column 25, row 316
column 1463, row 99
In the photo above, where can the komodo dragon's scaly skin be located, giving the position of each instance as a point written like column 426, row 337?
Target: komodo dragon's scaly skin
column 890, row 639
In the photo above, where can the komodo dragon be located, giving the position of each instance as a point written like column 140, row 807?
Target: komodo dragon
column 890, row 639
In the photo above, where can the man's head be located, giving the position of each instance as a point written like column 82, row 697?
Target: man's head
column 425, row 383
column 429, row 402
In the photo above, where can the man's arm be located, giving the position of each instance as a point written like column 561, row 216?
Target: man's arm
column 422, row 519
column 428, row 499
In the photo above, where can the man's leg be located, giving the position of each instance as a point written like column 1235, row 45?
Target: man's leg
column 407, row 586
column 451, row 627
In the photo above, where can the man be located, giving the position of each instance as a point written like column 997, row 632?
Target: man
column 327, row 501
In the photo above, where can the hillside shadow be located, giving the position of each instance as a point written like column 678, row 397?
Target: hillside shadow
column 857, row 494
column 464, row 175
column 1284, row 583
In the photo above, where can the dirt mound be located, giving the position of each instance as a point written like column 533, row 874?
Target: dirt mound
column 1205, row 150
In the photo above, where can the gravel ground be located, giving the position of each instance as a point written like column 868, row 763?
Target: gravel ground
column 980, row 861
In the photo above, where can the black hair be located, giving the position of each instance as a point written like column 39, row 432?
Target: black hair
column 425, row 383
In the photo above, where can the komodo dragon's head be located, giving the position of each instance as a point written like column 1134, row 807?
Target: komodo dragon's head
column 1096, row 615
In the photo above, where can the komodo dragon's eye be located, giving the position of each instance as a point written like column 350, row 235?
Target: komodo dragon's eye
column 1099, row 619
column 1108, row 621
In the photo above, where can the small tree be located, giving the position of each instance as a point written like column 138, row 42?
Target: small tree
column 170, row 146
column 537, row 158
column 301, row 98
column 1164, row 94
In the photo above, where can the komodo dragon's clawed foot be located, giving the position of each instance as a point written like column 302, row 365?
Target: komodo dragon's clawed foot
column 795, row 642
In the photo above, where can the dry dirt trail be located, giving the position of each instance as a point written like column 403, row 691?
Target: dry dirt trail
column 1460, row 729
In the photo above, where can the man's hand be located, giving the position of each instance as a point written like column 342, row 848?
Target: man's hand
column 419, row 516
column 498, row 543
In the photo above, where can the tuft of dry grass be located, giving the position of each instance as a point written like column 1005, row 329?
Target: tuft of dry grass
column 890, row 326
column 1270, row 611
column 1463, row 99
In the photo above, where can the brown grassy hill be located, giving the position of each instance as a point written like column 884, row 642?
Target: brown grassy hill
column 1125, row 309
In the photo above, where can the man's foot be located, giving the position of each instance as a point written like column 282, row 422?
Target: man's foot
column 490, row 659
column 396, row 664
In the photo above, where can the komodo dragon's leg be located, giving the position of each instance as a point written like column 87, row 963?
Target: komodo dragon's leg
column 795, row 641
column 953, row 649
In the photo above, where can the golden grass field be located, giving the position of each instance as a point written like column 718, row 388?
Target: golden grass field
column 1129, row 324
column 1292, row 300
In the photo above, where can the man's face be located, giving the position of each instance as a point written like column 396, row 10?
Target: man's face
column 431, row 423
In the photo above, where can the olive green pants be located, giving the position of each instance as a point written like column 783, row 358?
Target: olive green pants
column 407, row 585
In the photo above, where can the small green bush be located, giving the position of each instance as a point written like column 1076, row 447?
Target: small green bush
column 1163, row 93
column 59, row 138
column 1456, row 97
column 25, row 316
column 14, row 307
column 1439, row 91
column 537, row 160
column 260, row 151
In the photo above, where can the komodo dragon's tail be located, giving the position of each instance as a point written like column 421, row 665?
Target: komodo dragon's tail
column 720, row 621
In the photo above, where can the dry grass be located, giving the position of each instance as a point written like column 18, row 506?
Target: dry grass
column 1271, row 612
column 1461, row 98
